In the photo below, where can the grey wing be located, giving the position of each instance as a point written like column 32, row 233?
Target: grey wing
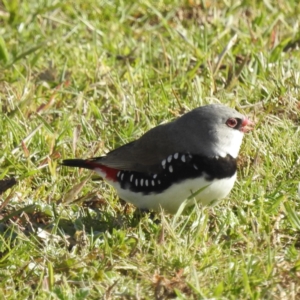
column 143, row 155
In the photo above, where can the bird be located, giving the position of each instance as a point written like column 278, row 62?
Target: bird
column 192, row 158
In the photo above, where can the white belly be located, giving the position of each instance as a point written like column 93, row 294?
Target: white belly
column 173, row 197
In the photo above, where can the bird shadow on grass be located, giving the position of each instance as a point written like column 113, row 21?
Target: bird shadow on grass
column 40, row 223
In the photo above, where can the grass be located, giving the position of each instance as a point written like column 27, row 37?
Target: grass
column 79, row 79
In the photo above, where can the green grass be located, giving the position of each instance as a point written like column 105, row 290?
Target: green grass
column 79, row 78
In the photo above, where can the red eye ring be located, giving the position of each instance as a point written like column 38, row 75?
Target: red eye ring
column 231, row 122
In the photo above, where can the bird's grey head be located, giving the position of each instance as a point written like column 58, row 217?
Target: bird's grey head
column 213, row 130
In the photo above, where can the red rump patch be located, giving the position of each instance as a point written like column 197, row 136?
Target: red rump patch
column 110, row 173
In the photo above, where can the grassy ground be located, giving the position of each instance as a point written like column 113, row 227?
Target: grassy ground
column 79, row 78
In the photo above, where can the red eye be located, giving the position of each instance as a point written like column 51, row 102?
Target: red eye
column 231, row 122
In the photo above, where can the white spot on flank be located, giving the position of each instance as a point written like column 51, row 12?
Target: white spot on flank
column 163, row 163
column 142, row 182
column 136, row 182
column 176, row 155
column 122, row 176
column 154, row 176
column 170, row 169
column 153, row 183
column 183, row 158
column 217, row 157
column 205, row 192
column 131, row 177
column 159, row 182
column 195, row 167
column 118, row 174
column 169, row 158
column 146, row 182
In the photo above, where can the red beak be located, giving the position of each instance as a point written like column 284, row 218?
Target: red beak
column 247, row 125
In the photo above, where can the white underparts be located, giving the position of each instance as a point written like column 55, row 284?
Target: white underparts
column 171, row 198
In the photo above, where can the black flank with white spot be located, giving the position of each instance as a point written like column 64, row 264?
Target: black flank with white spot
column 179, row 167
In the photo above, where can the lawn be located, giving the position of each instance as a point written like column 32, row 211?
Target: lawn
column 80, row 78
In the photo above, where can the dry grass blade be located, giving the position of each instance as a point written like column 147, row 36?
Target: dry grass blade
column 71, row 195
column 220, row 58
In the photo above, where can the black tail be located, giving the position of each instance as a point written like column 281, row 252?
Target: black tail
column 80, row 163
